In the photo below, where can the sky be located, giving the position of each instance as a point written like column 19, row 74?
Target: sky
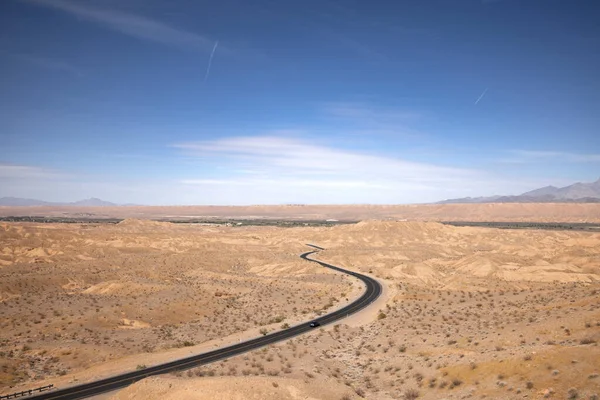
column 235, row 102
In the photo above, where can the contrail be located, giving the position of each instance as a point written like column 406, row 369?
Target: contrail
column 212, row 54
column 481, row 97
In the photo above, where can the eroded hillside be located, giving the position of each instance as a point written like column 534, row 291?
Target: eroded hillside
column 466, row 312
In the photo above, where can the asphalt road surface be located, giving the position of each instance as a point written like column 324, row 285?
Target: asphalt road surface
column 373, row 290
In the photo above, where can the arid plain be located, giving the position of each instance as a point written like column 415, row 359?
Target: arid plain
column 467, row 312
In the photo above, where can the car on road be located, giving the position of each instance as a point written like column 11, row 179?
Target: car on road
column 314, row 324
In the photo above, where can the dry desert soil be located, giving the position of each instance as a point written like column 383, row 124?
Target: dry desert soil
column 536, row 212
column 467, row 312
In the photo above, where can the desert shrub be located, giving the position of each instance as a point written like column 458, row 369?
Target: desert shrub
column 529, row 385
column 419, row 377
column 572, row 394
column 411, row 394
column 455, row 382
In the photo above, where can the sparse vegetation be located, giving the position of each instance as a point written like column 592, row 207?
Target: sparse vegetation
column 529, row 385
column 572, row 394
column 435, row 335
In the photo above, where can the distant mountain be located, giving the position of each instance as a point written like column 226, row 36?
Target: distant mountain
column 490, row 199
column 572, row 192
column 93, row 202
column 545, row 191
column 16, row 201
column 575, row 193
column 19, row 202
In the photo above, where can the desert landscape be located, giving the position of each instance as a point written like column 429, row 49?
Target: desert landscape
column 281, row 200
column 467, row 312
column 523, row 212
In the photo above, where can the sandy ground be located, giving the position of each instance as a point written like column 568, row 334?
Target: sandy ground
column 466, row 312
column 79, row 302
column 531, row 212
column 224, row 388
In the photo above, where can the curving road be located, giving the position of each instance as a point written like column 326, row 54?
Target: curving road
column 373, row 290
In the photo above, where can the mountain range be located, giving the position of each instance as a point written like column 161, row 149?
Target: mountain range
column 18, row 202
column 575, row 193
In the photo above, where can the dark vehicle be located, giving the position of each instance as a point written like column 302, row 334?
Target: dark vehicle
column 314, row 324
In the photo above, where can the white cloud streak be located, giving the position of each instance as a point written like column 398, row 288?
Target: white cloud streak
column 365, row 119
column 212, row 54
column 532, row 156
column 11, row 171
column 129, row 24
column 285, row 182
column 369, row 114
column 481, row 96
column 283, row 164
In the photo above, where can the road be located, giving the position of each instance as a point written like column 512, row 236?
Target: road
column 373, row 290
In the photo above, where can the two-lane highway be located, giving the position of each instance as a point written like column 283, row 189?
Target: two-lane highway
column 372, row 291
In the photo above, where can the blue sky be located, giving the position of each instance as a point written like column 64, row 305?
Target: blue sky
column 275, row 102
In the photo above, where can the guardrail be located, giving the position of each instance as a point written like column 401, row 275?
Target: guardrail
column 26, row 392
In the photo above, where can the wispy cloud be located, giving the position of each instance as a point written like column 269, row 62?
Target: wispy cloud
column 212, row 54
column 308, row 183
column 129, row 24
column 531, row 156
column 481, row 96
column 11, row 171
column 369, row 113
column 49, row 63
column 363, row 118
column 288, row 162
